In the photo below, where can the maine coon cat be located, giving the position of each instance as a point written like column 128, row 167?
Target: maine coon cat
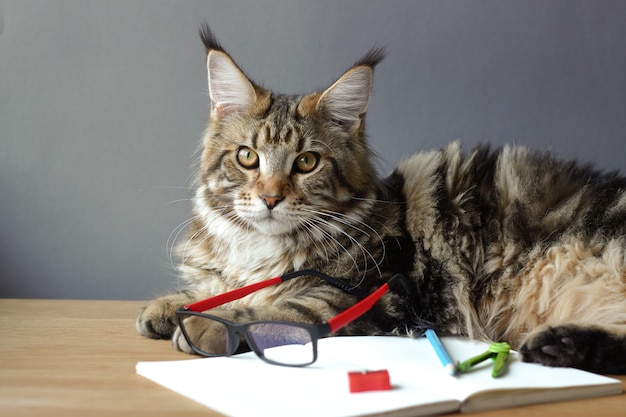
column 507, row 244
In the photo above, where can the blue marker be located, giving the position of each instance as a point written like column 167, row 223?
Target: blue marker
column 444, row 356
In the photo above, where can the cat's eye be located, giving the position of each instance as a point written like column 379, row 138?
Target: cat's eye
column 247, row 158
column 306, row 162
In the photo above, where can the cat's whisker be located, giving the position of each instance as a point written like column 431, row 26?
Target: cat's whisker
column 180, row 200
column 328, row 238
column 365, row 252
column 366, row 225
column 185, row 249
column 354, row 240
column 344, row 219
column 169, row 187
column 381, row 224
column 339, row 217
column 304, row 234
column 174, row 236
column 378, row 201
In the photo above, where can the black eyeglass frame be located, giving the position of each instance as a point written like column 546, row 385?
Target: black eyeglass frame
column 316, row 331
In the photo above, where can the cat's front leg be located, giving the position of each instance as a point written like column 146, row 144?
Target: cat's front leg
column 207, row 335
column 157, row 319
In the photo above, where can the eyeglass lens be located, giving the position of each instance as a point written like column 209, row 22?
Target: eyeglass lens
column 216, row 346
column 283, row 343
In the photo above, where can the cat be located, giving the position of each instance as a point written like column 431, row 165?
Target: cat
column 498, row 244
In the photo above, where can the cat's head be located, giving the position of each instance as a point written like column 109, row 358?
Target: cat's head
column 284, row 164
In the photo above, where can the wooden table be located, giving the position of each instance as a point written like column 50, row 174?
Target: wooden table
column 66, row 358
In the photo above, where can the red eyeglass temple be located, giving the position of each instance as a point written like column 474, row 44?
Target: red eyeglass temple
column 349, row 315
column 233, row 295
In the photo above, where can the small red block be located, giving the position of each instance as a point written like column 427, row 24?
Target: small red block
column 369, row 381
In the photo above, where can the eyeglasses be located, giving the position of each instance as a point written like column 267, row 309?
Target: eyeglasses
column 279, row 342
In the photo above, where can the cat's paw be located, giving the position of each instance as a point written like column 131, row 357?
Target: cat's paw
column 157, row 319
column 207, row 335
column 556, row 346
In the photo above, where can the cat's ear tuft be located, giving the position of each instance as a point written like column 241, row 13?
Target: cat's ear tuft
column 345, row 102
column 208, row 38
column 231, row 91
column 372, row 57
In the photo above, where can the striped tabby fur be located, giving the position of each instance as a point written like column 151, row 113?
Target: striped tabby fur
column 505, row 244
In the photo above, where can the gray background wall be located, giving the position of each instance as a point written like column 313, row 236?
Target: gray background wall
column 102, row 104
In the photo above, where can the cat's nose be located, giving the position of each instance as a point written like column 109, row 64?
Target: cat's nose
column 271, row 200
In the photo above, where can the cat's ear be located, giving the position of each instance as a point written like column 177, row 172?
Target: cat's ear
column 231, row 91
column 345, row 102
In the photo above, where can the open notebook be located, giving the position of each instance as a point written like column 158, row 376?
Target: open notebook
column 245, row 386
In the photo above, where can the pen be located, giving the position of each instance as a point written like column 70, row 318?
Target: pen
column 443, row 355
